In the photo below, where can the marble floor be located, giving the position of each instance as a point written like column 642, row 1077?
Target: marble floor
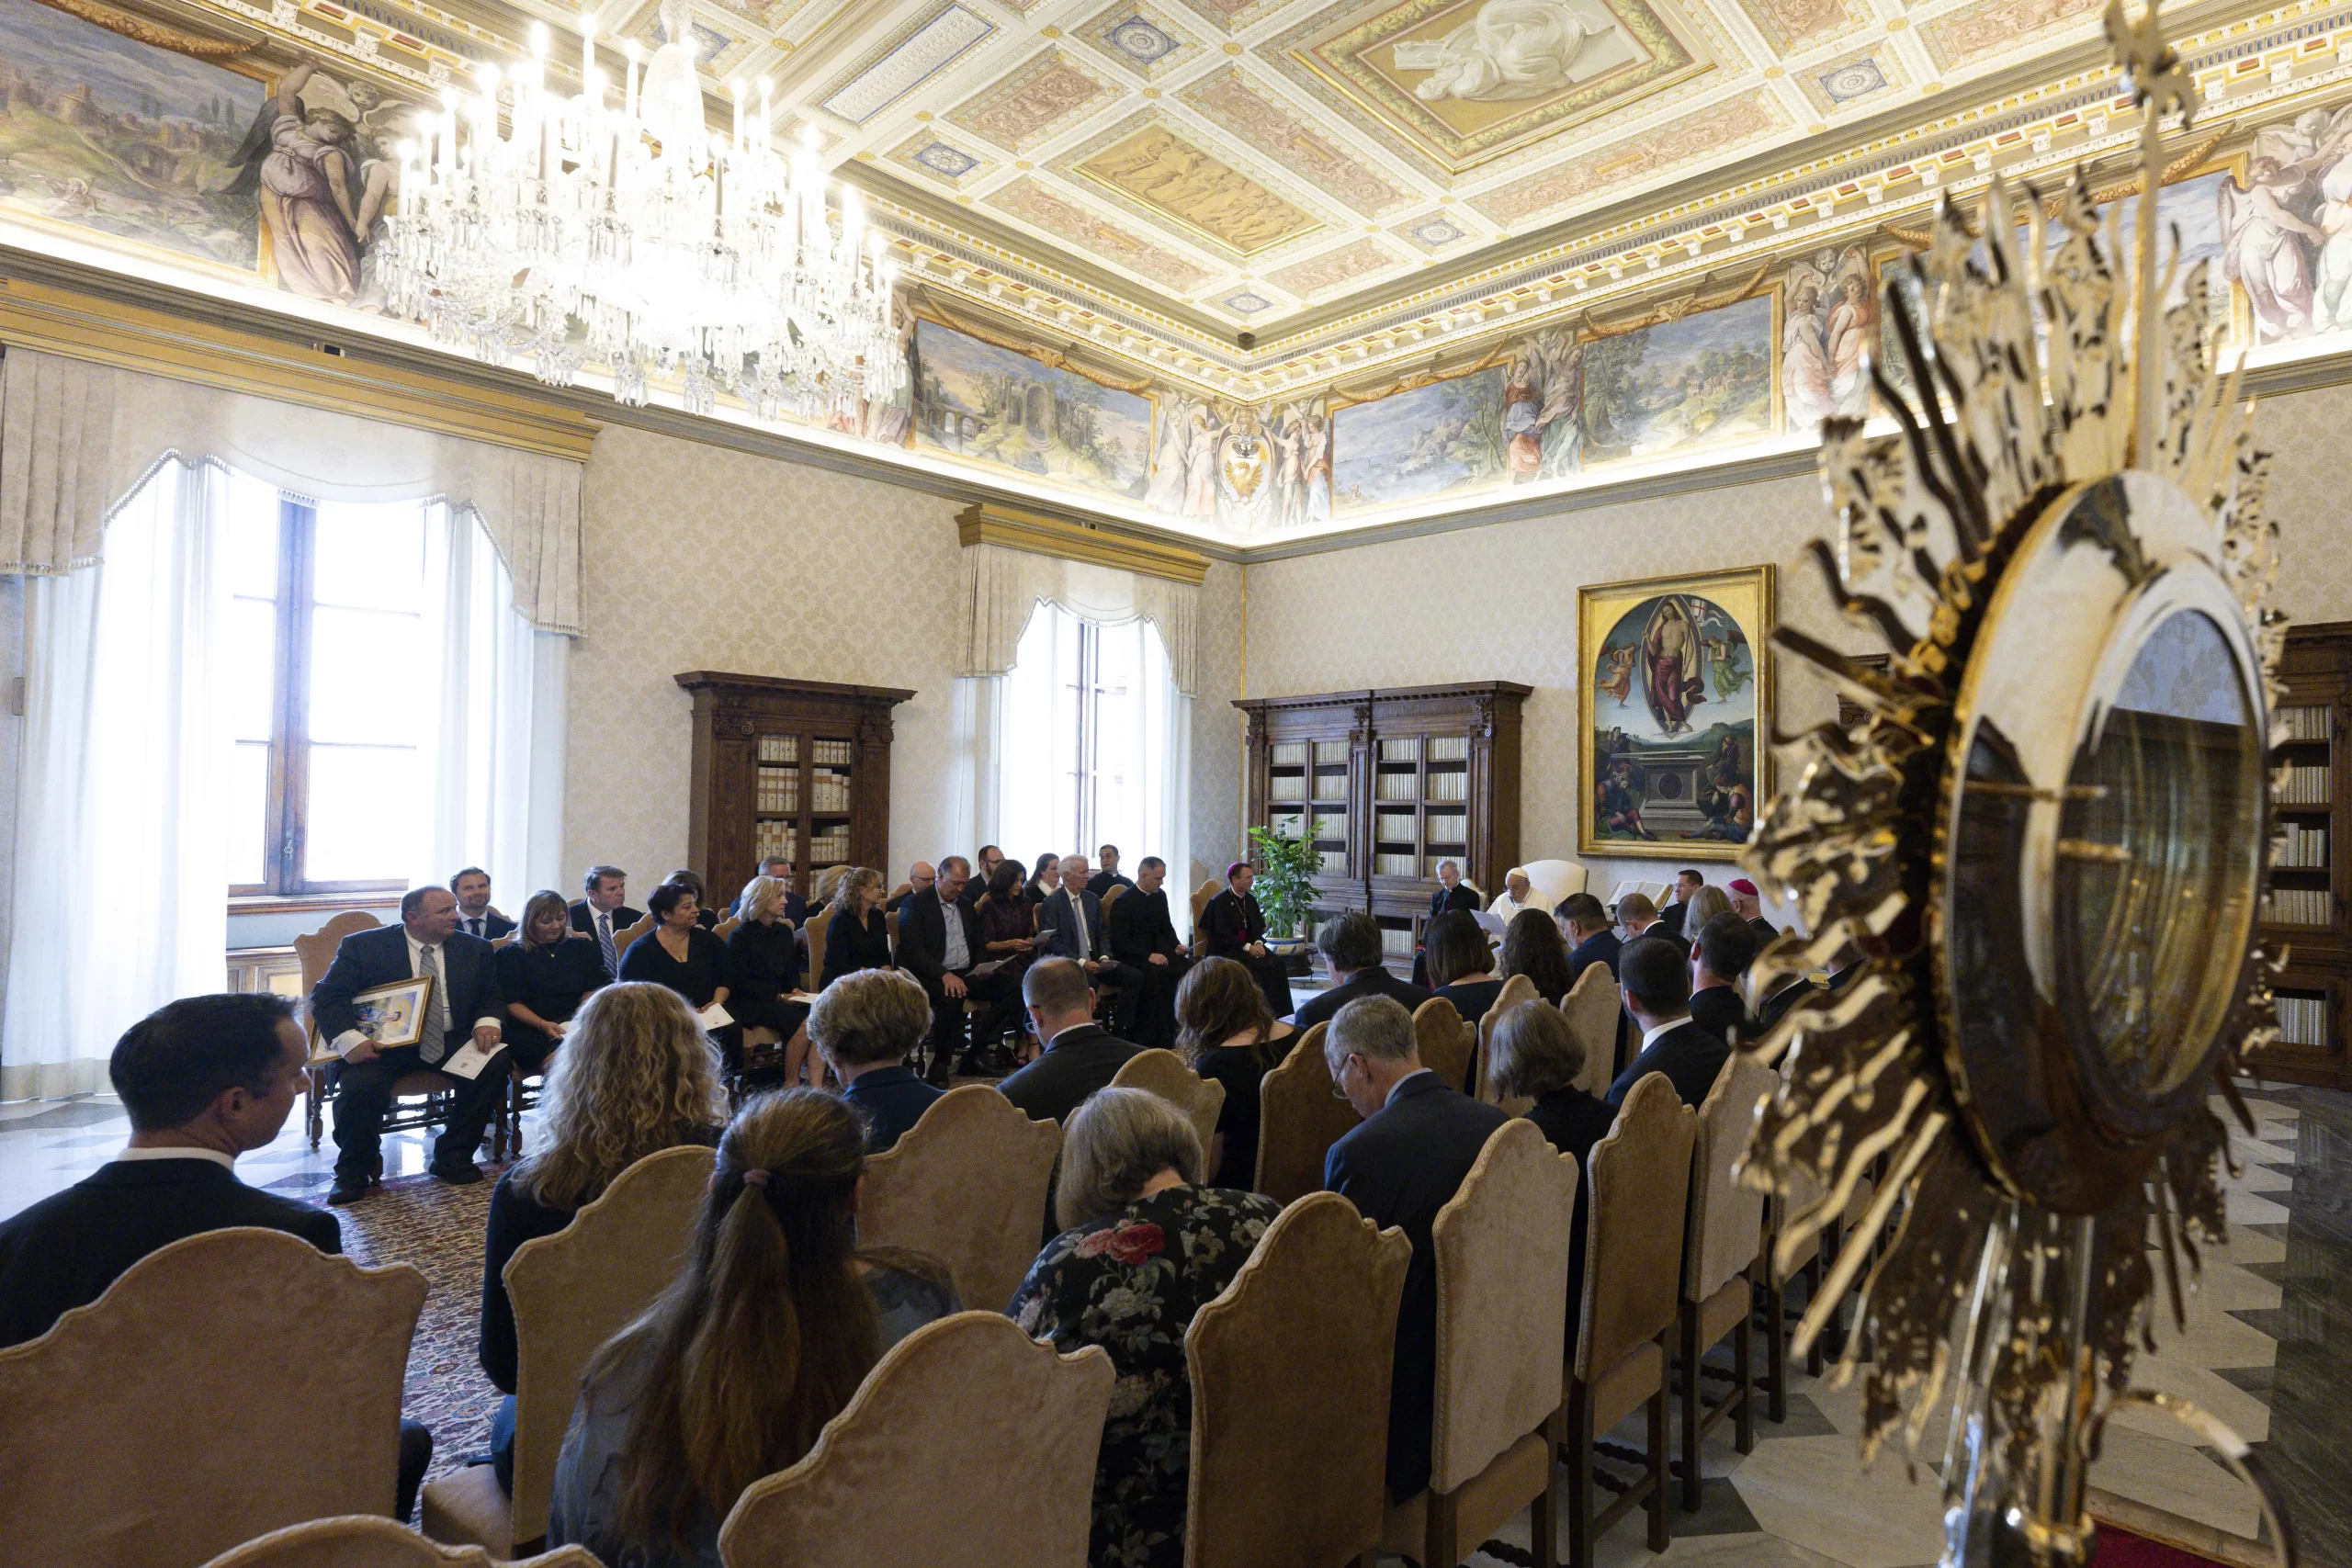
column 2268, row 1349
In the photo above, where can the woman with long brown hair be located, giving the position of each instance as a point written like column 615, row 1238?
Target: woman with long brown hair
column 636, row 1076
column 1224, row 1032
column 1460, row 964
column 1532, row 946
column 766, row 1335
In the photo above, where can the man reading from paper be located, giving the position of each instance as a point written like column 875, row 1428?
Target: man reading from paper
column 461, row 1037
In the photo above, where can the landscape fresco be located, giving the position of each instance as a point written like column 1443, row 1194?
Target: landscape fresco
column 995, row 406
column 104, row 132
column 1445, row 436
column 1701, row 380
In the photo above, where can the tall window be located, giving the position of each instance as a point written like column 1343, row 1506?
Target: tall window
column 1087, row 713
column 324, row 693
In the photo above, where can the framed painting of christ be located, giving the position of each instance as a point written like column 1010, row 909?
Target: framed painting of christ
column 1674, row 708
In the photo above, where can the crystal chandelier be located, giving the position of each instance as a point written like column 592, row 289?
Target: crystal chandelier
column 582, row 231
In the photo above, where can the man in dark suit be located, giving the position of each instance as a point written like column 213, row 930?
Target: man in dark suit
column 1452, row 893
column 1749, row 904
column 1142, row 936
column 1686, row 883
column 939, row 943
column 861, row 1024
column 1107, row 875
column 475, row 917
column 984, row 866
column 1590, row 938
column 1350, row 945
column 795, row 908
column 604, row 911
column 1418, row 1141
column 1656, row 978
column 1071, row 920
column 463, row 1008
column 1080, row 1057
column 1726, row 946
column 921, row 879
column 204, row 1079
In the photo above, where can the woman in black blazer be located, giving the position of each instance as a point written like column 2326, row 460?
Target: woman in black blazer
column 1461, row 967
column 545, row 973
column 677, row 952
column 858, row 936
column 1232, row 926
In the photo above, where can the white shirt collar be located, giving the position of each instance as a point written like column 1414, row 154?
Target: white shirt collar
column 1054, row 1038
column 1668, row 1027
column 226, row 1162
column 1400, row 1083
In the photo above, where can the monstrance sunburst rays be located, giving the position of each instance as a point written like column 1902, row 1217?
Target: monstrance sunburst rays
column 2057, row 424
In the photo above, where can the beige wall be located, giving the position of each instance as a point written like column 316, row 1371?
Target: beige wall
column 1499, row 603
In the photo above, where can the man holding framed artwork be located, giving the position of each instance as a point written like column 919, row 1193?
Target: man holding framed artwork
column 400, row 999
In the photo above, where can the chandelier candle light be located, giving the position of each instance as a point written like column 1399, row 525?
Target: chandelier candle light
column 580, row 230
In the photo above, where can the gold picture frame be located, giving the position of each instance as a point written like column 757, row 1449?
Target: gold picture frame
column 1674, row 714
column 394, row 1014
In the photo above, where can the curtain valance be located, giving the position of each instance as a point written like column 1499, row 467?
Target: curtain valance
column 77, row 438
column 1002, row 587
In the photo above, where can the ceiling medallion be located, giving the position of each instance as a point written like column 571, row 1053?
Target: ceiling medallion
column 2036, row 866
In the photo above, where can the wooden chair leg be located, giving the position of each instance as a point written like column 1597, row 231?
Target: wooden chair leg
column 1813, row 1362
column 1543, row 1519
column 1776, row 1346
column 1579, row 1482
column 1659, row 1505
column 1693, row 1409
column 1443, row 1542
column 1743, row 1364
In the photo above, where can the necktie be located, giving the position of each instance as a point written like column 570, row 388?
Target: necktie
column 436, row 1034
column 604, row 942
column 474, row 925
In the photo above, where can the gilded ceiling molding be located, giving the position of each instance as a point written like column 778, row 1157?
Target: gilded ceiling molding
column 116, row 20
column 83, row 326
column 991, row 523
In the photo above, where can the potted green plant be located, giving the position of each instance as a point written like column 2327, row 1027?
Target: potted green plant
column 1284, row 890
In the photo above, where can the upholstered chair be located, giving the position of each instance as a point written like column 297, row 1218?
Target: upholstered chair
column 572, row 1290
column 1201, row 896
column 1517, row 989
column 1290, row 1372
column 1299, row 1119
column 968, row 1185
column 1593, row 1005
column 1809, row 1255
column 814, row 931
column 1443, row 1041
column 1632, row 1269
column 890, row 1479
column 1720, row 1244
column 364, row 1540
column 315, row 952
column 196, row 1404
column 627, row 936
column 1503, row 1307
column 1164, row 1074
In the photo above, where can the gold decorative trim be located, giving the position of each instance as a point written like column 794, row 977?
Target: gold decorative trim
column 925, row 306
column 990, row 522
column 81, row 326
column 142, row 30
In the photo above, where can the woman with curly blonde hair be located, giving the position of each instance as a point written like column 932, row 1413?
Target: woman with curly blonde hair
column 636, row 1076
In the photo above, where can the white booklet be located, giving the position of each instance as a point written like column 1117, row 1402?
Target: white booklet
column 715, row 1016
column 467, row 1060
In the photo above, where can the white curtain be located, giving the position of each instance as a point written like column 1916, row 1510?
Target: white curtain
column 120, row 859
column 492, row 743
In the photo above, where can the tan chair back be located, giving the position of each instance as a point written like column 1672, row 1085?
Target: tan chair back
column 900, row 891
column 1443, row 1041
column 509, row 939
column 816, row 927
column 1110, row 898
column 1592, row 1008
column 1502, row 1300
column 1165, row 1074
column 316, row 950
column 1725, row 1230
column 366, row 1541
column 1299, row 1121
column 1634, row 1242
column 1290, row 1372
column 174, row 1418
column 576, row 1288
column 970, row 1383
column 1517, row 989
column 726, row 927
column 627, row 936
column 968, row 1185
column 1201, row 896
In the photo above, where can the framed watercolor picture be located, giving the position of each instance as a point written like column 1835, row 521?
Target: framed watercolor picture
column 394, row 1014
column 1675, row 700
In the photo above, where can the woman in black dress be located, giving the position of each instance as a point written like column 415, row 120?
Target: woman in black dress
column 677, row 952
column 763, row 970
column 1234, row 926
column 706, row 916
column 1224, row 1030
column 1460, row 964
column 1008, row 932
column 1532, row 946
column 545, row 973
column 858, row 936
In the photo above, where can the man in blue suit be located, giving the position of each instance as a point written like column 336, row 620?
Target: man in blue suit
column 1417, row 1142
column 463, row 1008
column 1071, row 920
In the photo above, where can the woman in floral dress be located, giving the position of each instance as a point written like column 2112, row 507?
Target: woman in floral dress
column 1144, row 1246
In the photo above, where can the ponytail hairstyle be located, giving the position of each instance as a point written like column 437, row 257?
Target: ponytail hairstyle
column 767, row 1331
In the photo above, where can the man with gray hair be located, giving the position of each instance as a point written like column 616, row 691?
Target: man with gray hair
column 1071, row 921
column 1419, row 1139
column 1350, row 945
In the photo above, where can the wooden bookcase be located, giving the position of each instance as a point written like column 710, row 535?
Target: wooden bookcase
column 2312, row 816
column 1388, row 783
column 796, row 768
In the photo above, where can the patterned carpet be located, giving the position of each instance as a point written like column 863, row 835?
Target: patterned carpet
column 438, row 1228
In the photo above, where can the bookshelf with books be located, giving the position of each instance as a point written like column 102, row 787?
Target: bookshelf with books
column 799, row 769
column 1390, row 783
column 2305, row 912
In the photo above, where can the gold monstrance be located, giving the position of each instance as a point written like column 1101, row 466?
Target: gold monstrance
column 2039, row 863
